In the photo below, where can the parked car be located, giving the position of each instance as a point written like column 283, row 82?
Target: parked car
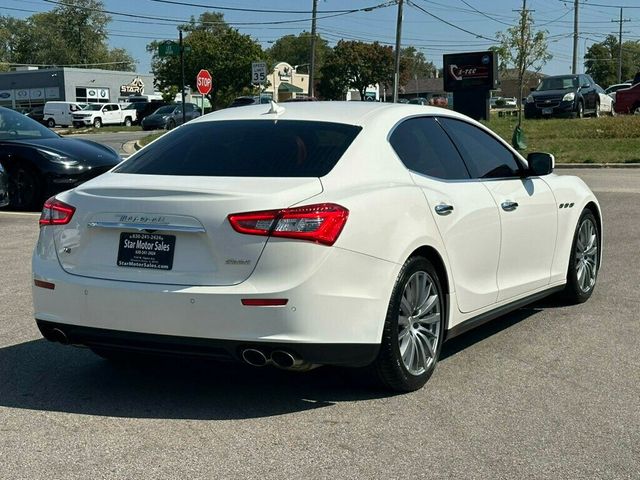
column 36, row 113
column 563, row 96
column 255, row 100
column 299, row 99
column 144, row 109
column 60, row 113
column 170, row 116
column 353, row 236
column 606, row 102
column 99, row 114
column 628, row 100
column 611, row 91
column 418, row 101
column 40, row 163
column 4, row 187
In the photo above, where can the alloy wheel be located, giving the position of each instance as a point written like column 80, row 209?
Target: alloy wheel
column 419, row 323
column 587, row 255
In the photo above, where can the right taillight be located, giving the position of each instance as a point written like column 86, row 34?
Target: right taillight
column 55, row 212
column 320, row 223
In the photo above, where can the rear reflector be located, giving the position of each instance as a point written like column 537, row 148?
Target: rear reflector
column 264, row 302
column 43, row 284
column 55, row 212
column 321, row 223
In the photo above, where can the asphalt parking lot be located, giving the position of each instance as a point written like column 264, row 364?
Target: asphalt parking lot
column 549, row 391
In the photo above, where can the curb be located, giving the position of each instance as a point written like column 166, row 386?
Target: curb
column 598, row 165
column 129, row 147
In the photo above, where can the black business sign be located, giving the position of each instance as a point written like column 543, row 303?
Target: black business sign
column 471, row 70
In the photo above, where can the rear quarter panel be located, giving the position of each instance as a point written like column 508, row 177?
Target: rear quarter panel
column 572, row 197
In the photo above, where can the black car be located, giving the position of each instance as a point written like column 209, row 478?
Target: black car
column 40, row 163
column 37, row 113
column 4, row 187
column 144, row 109
column 255, row 100
column 563, row 96
column 170, row 116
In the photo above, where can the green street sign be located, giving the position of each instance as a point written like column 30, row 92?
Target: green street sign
column 168, row 49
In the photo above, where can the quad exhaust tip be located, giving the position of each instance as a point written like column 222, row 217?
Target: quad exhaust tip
column 254, row 357
column 59, row 336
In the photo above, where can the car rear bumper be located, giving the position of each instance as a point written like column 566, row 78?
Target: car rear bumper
column 345, row 354
column 563, row 109
column 339, row 302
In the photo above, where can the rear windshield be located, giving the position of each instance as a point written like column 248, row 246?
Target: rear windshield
column 246, row 148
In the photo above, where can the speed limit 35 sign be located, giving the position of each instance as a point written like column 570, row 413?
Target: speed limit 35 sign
column 258, row 72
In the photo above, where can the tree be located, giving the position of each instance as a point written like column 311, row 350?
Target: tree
column 215, row 46
column 356, row 65
column 413, row 64
column 601, row 60
column 524, row 49
column 296, row 50
column 73, row 33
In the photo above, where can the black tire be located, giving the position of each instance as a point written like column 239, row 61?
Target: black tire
column 51, row 123
column 580, row 110
column 97, row 123
column 24, row 190
column 127, row 122
column 171, row 124
column 573, row 293
column 596, row 114
column 389, row 368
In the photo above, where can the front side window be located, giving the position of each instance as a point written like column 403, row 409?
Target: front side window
column 484, row 155
column 246, row 148
column 425, row 148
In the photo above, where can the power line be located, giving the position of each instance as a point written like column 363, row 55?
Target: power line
column 257, row 10
column 485, row 15
column 477, row 35
column 182, row 21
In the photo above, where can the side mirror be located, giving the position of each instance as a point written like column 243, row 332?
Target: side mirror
column 540, row 163
column 585, row 85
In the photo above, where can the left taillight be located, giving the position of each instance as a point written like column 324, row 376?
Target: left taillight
column 55, row 212
column 321, row 223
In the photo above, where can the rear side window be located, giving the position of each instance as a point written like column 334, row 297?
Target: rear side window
column 425, row 148
column 246, row 148
column 485, row 156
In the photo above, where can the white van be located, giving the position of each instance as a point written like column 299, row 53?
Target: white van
column 60, row 113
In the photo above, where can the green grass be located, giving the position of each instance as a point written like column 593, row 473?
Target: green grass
column 150, row 138
column 588, row 140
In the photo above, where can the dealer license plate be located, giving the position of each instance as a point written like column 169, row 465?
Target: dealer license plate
column 146, row 250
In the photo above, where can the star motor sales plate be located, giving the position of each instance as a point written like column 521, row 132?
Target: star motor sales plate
column 146, row 250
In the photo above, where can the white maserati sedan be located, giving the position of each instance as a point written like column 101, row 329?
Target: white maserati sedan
column 320, row 233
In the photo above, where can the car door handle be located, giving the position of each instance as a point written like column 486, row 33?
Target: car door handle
column 509, row 206
column 444, row 209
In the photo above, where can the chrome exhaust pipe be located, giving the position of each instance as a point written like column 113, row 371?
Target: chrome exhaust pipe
column 289, row 361
column 286, row 360
column 59, row 336
column 254, row 357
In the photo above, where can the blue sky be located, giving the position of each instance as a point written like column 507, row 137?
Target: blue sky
column 430, row 35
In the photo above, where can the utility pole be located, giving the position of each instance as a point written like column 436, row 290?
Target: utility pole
column 574, row 67
column 312, row 66
column 182, row 76
column 522, row 55
column 621, row 21
column 396, row 75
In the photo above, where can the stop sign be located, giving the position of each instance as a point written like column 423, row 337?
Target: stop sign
column 204, row 82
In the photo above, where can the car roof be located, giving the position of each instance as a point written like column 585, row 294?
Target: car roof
column 353, row 113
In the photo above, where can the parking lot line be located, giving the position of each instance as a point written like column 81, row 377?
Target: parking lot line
column 24, row 214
